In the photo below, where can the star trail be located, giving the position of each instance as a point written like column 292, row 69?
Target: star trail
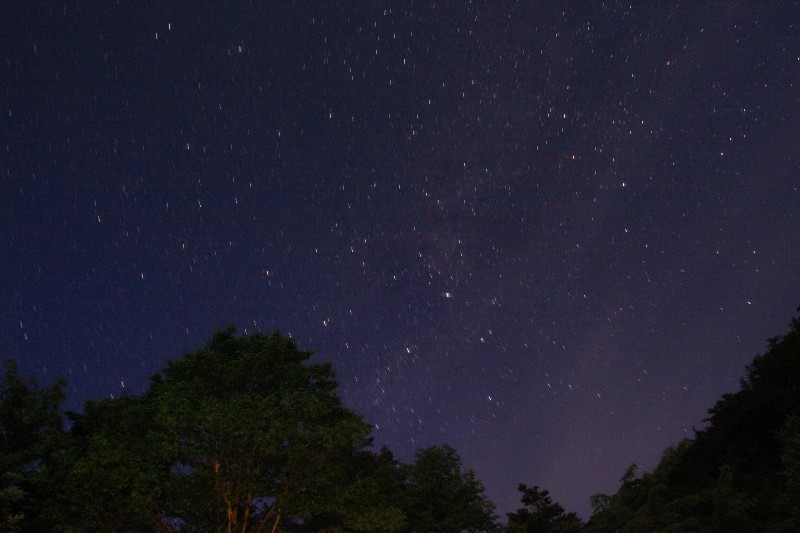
column 550, row 234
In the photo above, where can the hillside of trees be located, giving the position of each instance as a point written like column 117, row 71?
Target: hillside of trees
column 740, row 473
column 247, row 435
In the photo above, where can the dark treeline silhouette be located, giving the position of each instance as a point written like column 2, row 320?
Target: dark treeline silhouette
column 246, row 435
column 243, row 435
column 740, row 473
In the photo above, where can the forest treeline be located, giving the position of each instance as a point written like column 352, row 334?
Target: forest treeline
column 247, row 435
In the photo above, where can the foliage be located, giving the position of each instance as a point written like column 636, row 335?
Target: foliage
column 113, row 472
column 738, row 474
column 30, row 429
column 541, row 514
column 441, row 496
column 261, row 435
column 242, row 435
column 790, row 438
column 247, row 435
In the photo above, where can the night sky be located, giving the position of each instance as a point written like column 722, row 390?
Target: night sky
column 550, row 234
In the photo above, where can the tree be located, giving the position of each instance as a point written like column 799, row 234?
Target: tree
column 441, row 496
column 612, row 512
column 262, row 438
column 113, row 472
column 30, row 428
column 729, row 504
column 242, row 435
column 790, row 437
column 541, row 514
column 737, row 474
column 371, row 493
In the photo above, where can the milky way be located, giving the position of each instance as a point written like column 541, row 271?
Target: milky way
column 550, row 236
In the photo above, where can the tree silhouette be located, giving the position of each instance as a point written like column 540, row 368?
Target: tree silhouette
column 441, row 496
column 540, row 514
column 30, row 432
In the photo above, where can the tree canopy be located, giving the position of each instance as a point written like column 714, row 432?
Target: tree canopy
column 247, row 434
column 258, row 428
column 30, row 425
column 540, row 514
column 737, row 474
column 441, row 496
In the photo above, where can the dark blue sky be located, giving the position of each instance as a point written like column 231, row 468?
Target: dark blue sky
column 550, row 234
